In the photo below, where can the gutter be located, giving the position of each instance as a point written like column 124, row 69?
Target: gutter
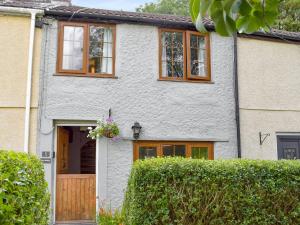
column 33, row 13
column 236, row 96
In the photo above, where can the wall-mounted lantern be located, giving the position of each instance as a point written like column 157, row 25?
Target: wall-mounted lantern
column 136, row 128
column 262, row 137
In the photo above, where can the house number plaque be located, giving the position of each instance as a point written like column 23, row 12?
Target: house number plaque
column 46, row 157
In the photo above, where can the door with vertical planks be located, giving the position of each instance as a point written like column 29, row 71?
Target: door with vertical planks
column 75, row 197
column 75, row 193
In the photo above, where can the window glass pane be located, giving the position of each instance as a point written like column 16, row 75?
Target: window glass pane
column 194, row 41
column 166, row 39
column 198, row 56
column 172, row 54
column 168, row 150
column 100, row 50
column 68, row 48
column 200, row 152
column 107, row 50
column 69, row 33
column 77, row 63
column 67, row 62
column 78, row 34
column 106, row 65
column 108, row 35
column 178, row 69
column 147, row 152
column 73, row 48
column 109, row 66
column 180, row 150
column 77, row 49
column 174, row 150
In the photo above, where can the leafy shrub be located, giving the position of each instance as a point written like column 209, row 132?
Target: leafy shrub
column 24, row 197
column 189, row 192
column 107, row 217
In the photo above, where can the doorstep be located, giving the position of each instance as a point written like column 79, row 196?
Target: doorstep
column 76, row 223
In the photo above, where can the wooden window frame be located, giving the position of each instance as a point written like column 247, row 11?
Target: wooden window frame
column 159, row 144
column 187, row 76
column 161, row 76
column 85, row 62
column 207, row 55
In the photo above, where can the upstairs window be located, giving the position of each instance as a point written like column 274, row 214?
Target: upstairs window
column 153, row 149
column 86, row 49
column 184, row 55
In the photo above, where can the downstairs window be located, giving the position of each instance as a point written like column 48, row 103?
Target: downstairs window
column 152, row 149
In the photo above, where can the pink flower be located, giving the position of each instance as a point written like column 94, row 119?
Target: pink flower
column 109, row 120
column 116, row 138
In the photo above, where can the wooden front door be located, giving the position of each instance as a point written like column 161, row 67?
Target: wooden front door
column 75, row 197
column 75, row 193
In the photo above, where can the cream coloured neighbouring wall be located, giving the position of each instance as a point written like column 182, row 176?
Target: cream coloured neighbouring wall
column 12, row 129
column 14, row 41
column 269, row 93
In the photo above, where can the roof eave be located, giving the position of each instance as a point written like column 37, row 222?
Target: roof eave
column 122, row 19
column 272, row 36
column 88, row 17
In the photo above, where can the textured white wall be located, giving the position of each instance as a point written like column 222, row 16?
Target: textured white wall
column 269, row 94
column 166, row 110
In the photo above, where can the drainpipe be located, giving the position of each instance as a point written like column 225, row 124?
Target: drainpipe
column 33, row 13
column 236, row 96
column 29, row 81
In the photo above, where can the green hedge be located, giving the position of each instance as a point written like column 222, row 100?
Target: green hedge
column 24, row 197
column 189, row 192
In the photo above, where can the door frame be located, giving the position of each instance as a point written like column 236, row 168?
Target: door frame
column 72, row 124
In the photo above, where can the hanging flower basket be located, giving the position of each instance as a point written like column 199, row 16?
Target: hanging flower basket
column 108, row 134
column 108, row 129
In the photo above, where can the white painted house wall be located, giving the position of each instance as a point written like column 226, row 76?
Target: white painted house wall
column 166, row 110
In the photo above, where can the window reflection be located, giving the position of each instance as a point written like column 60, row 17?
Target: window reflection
column 198, row 56
column 200, row 152
column 100, row 50
column 147, row 152
column 72, row 48
column 174, row 150
column 172, row 54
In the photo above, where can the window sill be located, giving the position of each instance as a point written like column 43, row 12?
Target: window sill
column 85, row 75
column 188, row 81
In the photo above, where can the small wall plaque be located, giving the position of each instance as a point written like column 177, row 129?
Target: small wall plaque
column 46, row 157
column 46, row 154
column 46, row 160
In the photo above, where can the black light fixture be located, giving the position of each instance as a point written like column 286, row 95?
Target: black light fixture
column 136, row 128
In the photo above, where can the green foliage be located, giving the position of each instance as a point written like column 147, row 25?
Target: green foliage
column 193, row 192
column 289, row 18
column 174, row 7
column 24, row 197
column 231, row 16
column 107, row 217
